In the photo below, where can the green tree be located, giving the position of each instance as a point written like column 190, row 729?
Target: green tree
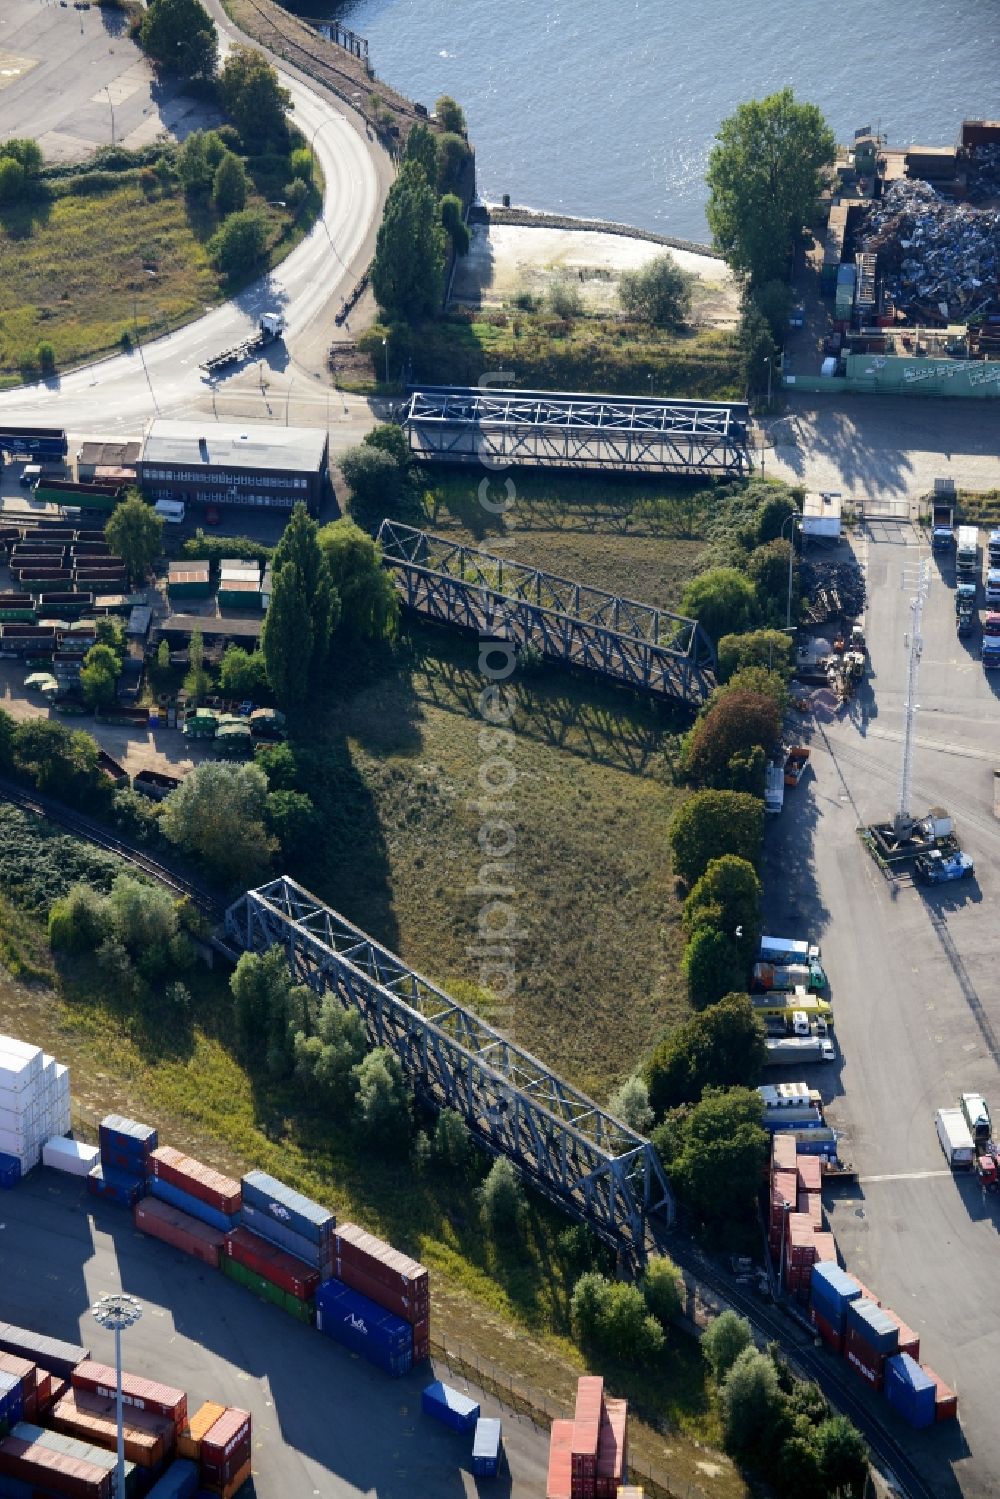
column 843, row 1457
column 659, row 293
column 193, row 166
column 239, row 242
column 774, row 302
column 27, row 152
column 243, row 674
column 421, row 147
column 279, row 764
column 630, row 1104
column 765, row 176
column 727, row 897
column 732, row 724
column 749, row 1401
column 453, row 223
column 301, row 163
column 759, row 682
column 8, row 731
column 723, row 1155
column 769, row 648
column 369, row 602
column 253, row 97
column 46, row 356
column 712, row 823
column 287, row 638
column 721, row 1047
column 407, row 274
column 111, row 632
column 389, row 437
column 758, row 353
column 454, row 159
column 13, row 180
column 663, row 1289
column 299, row 546
column 794, row 1470
column 449, row 115
column 501, row 1197
column 261, row 985
column 722, row 600
column 767, row 566
column 79, row 920
column 197, row 680
column 180, row 36
column 612, row 1317
column 382, row 1109
column 292, row 818
column 453, row 1148
column 723, row 1340
column 230, row 184
column 712, row 966
column 376, row 482
column 773, row 513
column 134, row 533
column 60, row 761
column 144, row 919
column 99, row 676
column 218, row 812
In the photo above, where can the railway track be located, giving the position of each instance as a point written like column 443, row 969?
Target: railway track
column 85, row 828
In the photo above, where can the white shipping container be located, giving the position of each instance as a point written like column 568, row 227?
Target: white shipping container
column 70, row 1156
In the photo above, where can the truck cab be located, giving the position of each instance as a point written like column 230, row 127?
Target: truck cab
column 936, row 868
column 967, row 550
column 977, row 1116
column 942, row 525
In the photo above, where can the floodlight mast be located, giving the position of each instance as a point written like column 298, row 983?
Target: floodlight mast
column 902, row 824
column 117, row 1312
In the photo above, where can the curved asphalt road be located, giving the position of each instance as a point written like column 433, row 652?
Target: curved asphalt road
column 309, row 287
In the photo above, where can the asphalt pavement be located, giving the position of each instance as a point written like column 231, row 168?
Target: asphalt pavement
column 325, row 1422
column 913, row 983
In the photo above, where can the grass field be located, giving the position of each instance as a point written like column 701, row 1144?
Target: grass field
column 81, row 271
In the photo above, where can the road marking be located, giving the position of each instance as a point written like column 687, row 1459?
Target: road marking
column 903, row 1176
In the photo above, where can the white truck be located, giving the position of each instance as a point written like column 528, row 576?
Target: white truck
column 956, row 1139
column 967, row 551
column 774, row 787
column 792, row 1051
column 270, row 328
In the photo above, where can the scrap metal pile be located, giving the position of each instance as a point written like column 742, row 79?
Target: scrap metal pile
column 940, row 260
column 984, row 172
column 831, row 590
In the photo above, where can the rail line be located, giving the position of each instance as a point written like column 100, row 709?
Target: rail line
column 82, row 827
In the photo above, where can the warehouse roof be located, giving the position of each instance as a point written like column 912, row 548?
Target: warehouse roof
column 112, row 454
column 223, row 445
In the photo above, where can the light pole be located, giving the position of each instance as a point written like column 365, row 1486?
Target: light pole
column 791, row 558
column 385, row 345
column 107, row 90
column 117, row 1312
column 768, row 363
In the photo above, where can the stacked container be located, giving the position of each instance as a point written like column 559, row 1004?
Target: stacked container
column 559, row 1482
column 179, row 1482
column 41, row 1468
column 190, row 1440
column 831, row 1291
column 71, row 1156
column 586, row 1433
column 588, row 1455
column 125, row 1150
column 365, row 1327
column 945, row 1399
column 910, row 1391
column 149, row 1439
column 387, row 1276
column 611, row 1458
column 18, row 1391
column 58, row 1357
column 180, row 1231
column 272, row 1273
column 225, row 1453
column 194, row 1189
column 487, row 1448
column 909, row 1341
column 870, row 1338
column 278, row 1212
column 34, row 1106
column 142, row 1394
column 85, row 1452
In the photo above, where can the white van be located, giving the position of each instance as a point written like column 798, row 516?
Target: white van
column 170, row 511
column 955, row 1139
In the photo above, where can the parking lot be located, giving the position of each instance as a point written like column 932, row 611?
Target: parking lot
column 325, row 1422
column 913, row 981
column 76, row 79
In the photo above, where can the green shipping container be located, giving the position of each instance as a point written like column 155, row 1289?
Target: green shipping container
column 228, row 600
column 18, row 616
column 83, row 499
column 189, row 590
column 302, row 1311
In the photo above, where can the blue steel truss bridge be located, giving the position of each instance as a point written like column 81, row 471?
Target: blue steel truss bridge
column 556, row 429
column 569, row 623
column 572, row 1150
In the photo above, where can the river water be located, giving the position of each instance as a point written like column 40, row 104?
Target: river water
column 609, row 109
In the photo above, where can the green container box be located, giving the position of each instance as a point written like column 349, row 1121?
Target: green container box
column 302, row 1311
column 189, row 590
column 229, row 600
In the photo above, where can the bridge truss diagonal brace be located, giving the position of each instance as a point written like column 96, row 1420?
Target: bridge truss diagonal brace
column 578, row 1155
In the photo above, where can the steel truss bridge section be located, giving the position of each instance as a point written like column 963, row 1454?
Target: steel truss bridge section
column 581, row 1157
column 555, row 429
column 569, row 623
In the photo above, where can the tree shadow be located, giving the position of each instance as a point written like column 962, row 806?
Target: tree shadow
column 20, row 220
column 114, row 21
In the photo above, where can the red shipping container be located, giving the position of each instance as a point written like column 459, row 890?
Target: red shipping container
column 831, row 1337
column 161, row 1427
column 785, row 1188
column 945, row 1401
column 47, row 1469
column 281, row 1269
column 866, row 1362
column 784, row 1152
column 180, row 1230
column 611, row 1449
column 810, row 1173
column 801, row 1246
column 412, row 1309
column 22, row 1368
column 143, row 1394
column 382, row 1263
column 909, row 1341
column 559, row 1482
column 810, row 1204
column 173, row 1166
column 587, row 1424
column 826, row 1249
column 583, row 1486
column 229, row 1434
column 101, row 1430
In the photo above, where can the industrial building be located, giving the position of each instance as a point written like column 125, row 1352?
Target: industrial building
column 214, row 463
column 99, row 460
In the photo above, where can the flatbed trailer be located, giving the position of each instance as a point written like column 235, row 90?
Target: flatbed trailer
column 269, row 330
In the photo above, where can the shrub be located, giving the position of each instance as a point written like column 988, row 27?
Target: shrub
column 663, row 1289
column 749, row 1401
column 659, row 293
column 712, row 966
column 296, row 192
column 501, row 1197
column 727, row 897
column 229, row 184
column 733, row 723
column 771, row 649
column 301, row 162
column 239, row 244
column 724, row 1339
column 712, row 823
column 612, row 1317
column 564, row 299
column 382, row 1110
column 79, row 921
column 630, row 1104
column 722, row 600
column 452, row 1147
column 46, row 356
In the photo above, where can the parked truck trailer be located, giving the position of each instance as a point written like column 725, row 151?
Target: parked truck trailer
column 955, row 1139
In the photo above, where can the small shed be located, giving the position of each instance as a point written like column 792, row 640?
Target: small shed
column 821, row 517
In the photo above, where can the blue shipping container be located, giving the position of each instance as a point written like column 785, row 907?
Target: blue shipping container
column 179, row 1482
column 303, row 1216
column 11, row 1398
column 832, row 1290
column 126, row 1134
column 874, row 1325
column 114, row 1186
column 450, row 1406
column 321, row 1258
column 360, row 1324
column 193, row 1206
column 910, row 1391
column 10, row 1171
column 486, row 1448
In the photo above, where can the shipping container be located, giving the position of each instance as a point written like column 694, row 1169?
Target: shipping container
column 229, row 1434
column 194, row 1207
column 62, row 1358
column 832, row 1290
column 220, row 1192
column 487, row 1448
column 145, row 1394
column 867, row 1362
column 320, row 1257
column 874, row 1325
column 303, row 1311
column 587, row 1425
column 229, row 1490
column 179, row 1482
column 611, row 1448
column 204, row 1418
column 305, row 1217
column 115, row 1186
column 381, row 1261
column 908, row 1341
column 118, row 1133
column 10, row 1171
column 365, row 1327
column 23, row 1369
column 559, row 1483
column 52, row 1472
column 84, row 1452
column 810, row 1173
column 945, row 1399
column 71, row 1416
column 910, row 1391
column 832, row 1336
column 449, row 1406
column 292, row 1275
column 180, row 1231
column 70, row 1156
